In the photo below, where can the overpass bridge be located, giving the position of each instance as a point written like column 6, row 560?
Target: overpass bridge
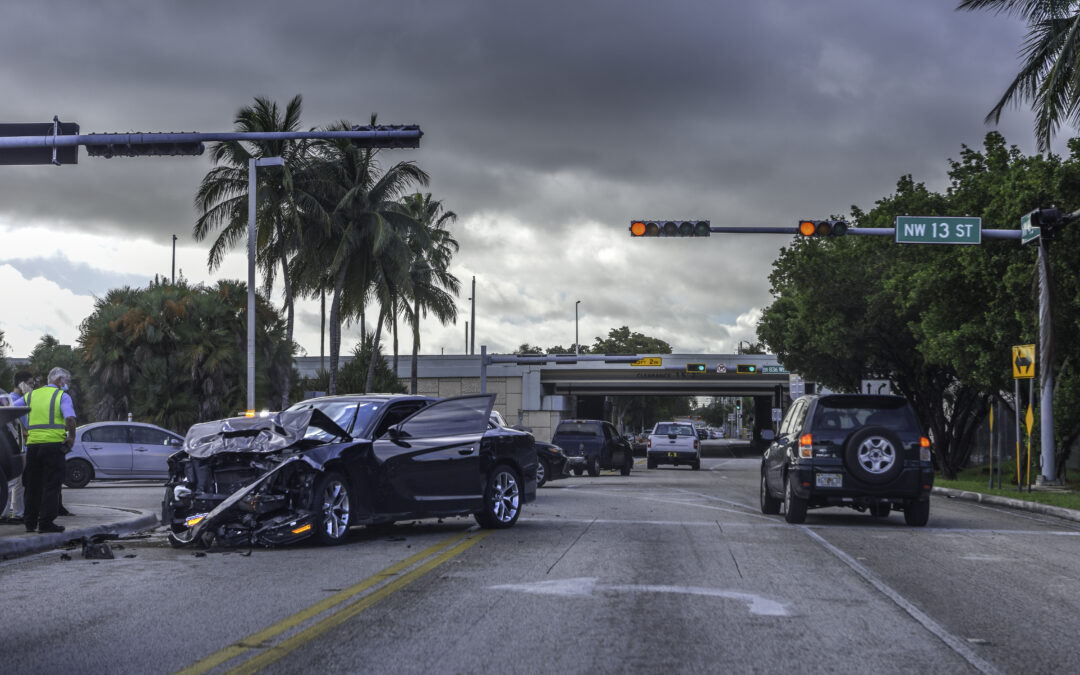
column 540, row 394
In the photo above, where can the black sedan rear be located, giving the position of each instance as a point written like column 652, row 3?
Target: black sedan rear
column 297, row 474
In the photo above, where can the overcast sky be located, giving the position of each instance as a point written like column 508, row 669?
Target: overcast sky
column 547, row 128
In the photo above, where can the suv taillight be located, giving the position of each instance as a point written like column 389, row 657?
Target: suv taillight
column 924, row 449
column 806, row 446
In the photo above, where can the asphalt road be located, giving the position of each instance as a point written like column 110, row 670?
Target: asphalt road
column 664, row 570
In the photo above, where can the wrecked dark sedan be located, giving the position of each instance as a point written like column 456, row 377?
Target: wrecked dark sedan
column 297, row 474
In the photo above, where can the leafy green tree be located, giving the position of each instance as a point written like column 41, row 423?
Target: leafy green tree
column 1051, row 54
column 559, row 349
column 47, row 354
column 526, row 349
column 222, row 200
column 433, row 288
column 623, row 341
column 6, row 370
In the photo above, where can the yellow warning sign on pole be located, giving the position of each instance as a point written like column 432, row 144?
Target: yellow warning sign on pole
column 1023, row 362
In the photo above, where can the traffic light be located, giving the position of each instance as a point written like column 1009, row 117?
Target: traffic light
column 120, row 146
column 822, row 228
column 389, row 140
column 695, row 367
column 1049, row 221
column 669, row 228
column 746, row 369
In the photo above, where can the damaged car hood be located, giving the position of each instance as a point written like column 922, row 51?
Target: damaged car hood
column 259, row 435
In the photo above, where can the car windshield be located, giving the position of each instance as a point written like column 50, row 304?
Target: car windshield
column 578, row 429
column 677, row 429
column 847, row 414
column 352, row 416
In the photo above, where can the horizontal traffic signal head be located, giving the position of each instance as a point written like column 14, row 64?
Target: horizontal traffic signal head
column 395, row 136
column 669, row 228
column 822, row 228
column 695, row 367
column 746, row 369
column 119, row 145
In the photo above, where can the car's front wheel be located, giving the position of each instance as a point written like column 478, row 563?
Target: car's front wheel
column 794, row 506
column 77, row 473
column 333, row 506
column 502, row 499
column 769, row 505
column 916, row 513
column 542, row 471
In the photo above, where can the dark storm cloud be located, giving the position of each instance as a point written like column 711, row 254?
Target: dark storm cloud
column 80, row 278
column 539, row 118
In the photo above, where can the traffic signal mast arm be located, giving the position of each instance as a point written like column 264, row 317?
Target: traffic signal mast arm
column 860, row 231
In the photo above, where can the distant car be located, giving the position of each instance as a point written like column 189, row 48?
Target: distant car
column 862, row 452
column 12, row 460
column 598, row 442
column 552, row 462
column 297, row 474
column 674, row 443
column 119, row 451
column 702, row 434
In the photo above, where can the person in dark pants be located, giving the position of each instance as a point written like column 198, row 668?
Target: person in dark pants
column 51, row 435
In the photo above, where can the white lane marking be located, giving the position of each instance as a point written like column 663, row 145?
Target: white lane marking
column 956, row 644
column 588, row 586
column 679, row 523
column 679, row 503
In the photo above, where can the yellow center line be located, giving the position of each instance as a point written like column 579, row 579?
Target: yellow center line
column 214, row 660
column 276, row 652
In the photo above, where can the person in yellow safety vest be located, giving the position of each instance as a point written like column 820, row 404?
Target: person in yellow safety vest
column 51, row 433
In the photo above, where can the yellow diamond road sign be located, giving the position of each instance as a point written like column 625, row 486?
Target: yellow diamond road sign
column 648, row 361
column 1023, row 362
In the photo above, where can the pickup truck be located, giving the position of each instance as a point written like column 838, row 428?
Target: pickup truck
column 673, row 443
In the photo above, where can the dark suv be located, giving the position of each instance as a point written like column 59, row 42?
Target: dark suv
column 602, row 446
column 864, row 452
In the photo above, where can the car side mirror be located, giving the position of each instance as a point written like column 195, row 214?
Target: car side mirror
column 767, row 434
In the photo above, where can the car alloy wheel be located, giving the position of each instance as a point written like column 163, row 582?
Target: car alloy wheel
column 873, row 455
column 332, row 495
column 877, row 455
column 502, row 499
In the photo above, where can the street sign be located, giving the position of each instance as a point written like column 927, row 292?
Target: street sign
column 773, row 370
column 880, row 387
column 1028, row 232
column 938, row 230
column 648, row 361
column 796, row 387
column 722, row 368
column 777, row 414
column 1023, row 362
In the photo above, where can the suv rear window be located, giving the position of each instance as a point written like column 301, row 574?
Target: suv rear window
column 578, row 429
column 850, row 412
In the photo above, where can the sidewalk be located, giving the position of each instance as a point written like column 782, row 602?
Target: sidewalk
column 86, row 521
column 1008, row 502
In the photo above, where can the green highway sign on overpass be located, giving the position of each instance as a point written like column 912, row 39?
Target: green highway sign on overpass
column 938, row 230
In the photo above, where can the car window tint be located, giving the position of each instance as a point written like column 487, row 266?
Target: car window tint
column 394, row 415
column 113, row 433
column 677, row 429
column 148, row 436
column 578, row 429
column 451, row 417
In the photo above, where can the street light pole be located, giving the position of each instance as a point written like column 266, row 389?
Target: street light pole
column 472, row 339
column 174, row 259
column 576, row 339
column 252, row 164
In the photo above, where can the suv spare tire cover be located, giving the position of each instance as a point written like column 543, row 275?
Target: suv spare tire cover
column 874, row 455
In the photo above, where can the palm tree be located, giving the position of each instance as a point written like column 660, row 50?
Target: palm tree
column 1048, row 78
column 222, row 200
column 355, row 240
column 434, row 288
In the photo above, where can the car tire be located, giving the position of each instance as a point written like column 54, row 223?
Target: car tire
column 874, row 455
column 502, row 499
column 627, row 465
column 542, row 472
column 3, row 490
column 578, row 471
column 880, row 510
column 650, row 463
column 696, row 465
column 769, row 505
column 332, row 503
column 916, row 513
column 77, row 473
column 794, row 506
column 594, row 466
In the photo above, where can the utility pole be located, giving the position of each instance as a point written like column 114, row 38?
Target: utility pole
column 174, row 260
column 472, row 339
column 576, row 338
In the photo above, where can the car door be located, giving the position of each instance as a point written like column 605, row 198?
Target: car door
column 150, row 450
column 431, row 462
column 777, row 452
column 109, row 448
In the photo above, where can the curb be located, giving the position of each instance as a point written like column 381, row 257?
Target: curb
column 13, row 547
column 1008, row 502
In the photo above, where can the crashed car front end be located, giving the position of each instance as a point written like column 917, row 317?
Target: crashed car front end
column 246, row 481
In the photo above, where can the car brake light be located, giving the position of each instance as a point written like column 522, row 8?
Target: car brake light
column 649, row 443
column 806, row 446
column 924, row 449
column 695, row 445
column 924, row 442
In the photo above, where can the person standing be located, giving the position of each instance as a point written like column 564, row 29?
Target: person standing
column 14, row 510
column 51, row 435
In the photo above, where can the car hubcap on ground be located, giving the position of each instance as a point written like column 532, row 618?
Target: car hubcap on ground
column 336, row 509
column 876, row 455
column 505, row 498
